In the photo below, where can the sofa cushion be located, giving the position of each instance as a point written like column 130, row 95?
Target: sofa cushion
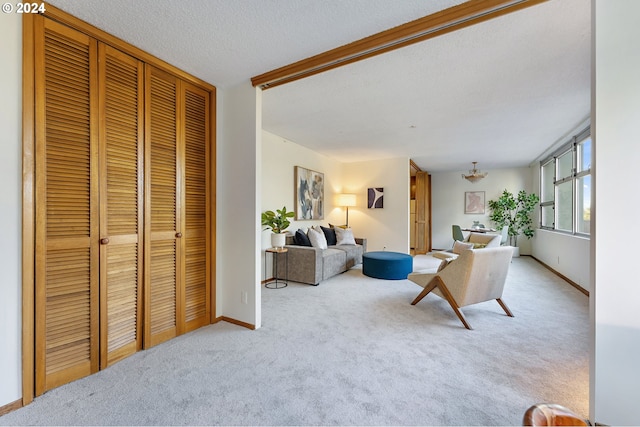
column 354, row 254
column 330, row 235
column 344, row 236
column 301, row 238
column 317, row 239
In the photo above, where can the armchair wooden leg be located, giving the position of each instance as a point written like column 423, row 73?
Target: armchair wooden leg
column 437, row 282
column 504, row 307
column 430, row 286
column 453, row 303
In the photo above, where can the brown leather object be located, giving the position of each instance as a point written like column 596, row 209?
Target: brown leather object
column 550, row 414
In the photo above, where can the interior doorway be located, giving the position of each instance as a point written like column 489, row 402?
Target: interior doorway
column 420, row 210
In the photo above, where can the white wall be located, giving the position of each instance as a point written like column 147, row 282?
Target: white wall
column 387, row 227
column 615, row 371
column 10, row 211
column 568, row 255
column 279, row 157
column 447, row 201
column 239, row 169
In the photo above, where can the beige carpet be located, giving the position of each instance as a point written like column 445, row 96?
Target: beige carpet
column 351, row 351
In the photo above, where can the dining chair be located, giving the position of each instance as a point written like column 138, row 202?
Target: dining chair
column 457, row 233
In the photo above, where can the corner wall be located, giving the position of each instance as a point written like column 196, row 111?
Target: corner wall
column 279, row 158
column 615, row 372
column 386, row 228
column 10, row 208
column 239, row 170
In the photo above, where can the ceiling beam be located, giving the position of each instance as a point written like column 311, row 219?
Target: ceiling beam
column 445, row 21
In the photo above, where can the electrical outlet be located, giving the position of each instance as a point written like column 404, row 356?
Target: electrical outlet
column 244, row 297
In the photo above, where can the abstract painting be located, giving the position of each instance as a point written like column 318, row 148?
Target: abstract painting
column 375, row 198
column 309, row 194
column 474, row 202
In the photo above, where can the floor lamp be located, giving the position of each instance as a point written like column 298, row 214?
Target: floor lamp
column 346, row 200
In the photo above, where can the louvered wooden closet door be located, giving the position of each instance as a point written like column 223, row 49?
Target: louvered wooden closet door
column 121, row 216
column 162, row 237
column 66, row 206
column 196, row 219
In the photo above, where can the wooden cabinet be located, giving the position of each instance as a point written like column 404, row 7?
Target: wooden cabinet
column 122, row 232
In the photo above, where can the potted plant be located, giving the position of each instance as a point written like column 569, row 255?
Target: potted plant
column 514, row 212
column 277, row 222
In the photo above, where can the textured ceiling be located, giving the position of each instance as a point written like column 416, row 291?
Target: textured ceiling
column 499, row 92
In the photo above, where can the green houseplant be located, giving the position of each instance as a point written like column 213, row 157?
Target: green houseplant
column 277, row 222
column 514, row 212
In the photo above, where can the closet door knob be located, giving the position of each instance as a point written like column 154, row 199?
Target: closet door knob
column 178, row 235
column 104, row 241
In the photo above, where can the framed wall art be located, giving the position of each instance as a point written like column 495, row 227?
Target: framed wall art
column 375, row 198
column 309, row 188
column 474, row 202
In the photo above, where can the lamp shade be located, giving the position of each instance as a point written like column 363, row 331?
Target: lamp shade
column 346, row 200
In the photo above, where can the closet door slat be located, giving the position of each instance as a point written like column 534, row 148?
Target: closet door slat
column 66, row 206
column 162, row 257
column 121, row 207
column 196, row 219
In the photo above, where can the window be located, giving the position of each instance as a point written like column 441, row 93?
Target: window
column 565, row 187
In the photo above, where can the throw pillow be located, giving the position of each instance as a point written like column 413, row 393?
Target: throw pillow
column 459, row 247
column 330, row 235
column 344, row 236
column 479, row 245
column 317, row 239
column 301, row 238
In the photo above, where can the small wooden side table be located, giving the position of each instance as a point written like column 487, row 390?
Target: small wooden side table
column 277, row 283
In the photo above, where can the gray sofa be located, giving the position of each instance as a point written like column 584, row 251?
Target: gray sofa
column 312, row 265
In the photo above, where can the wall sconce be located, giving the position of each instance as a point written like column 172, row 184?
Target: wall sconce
column 346, row 200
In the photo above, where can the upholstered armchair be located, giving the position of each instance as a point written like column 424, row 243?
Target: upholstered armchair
column 475, row 276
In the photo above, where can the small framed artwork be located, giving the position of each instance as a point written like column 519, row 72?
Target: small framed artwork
column 474, row 202
column 309, row 194
column 375, row 198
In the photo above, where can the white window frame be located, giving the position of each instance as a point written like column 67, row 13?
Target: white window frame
column 575, row 176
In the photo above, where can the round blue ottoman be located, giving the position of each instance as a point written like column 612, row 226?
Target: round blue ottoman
column 387, row 265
